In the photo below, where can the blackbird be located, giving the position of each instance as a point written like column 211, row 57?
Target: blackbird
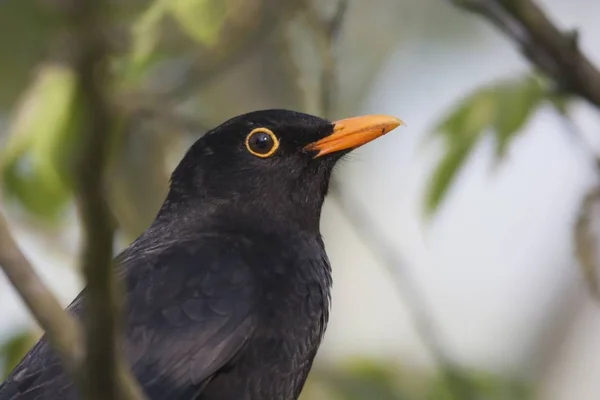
column 228, row 290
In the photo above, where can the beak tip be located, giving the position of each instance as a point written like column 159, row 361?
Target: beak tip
column 390, row 123
column 396, row 122
column 353, row 132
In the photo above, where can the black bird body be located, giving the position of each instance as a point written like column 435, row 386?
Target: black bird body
column 227, row 292
column 187, row 299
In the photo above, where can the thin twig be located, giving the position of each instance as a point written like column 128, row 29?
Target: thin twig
column 555, row 53
column 330, row 33
column 62, row 331
column 106, row 373
column 585, row 241
column 358, row 216
column 421, row 315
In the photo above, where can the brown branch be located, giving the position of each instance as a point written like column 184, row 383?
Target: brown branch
column 106, row 373
column 554, row 52
column 61, row 329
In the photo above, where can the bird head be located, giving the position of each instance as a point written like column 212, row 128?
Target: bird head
column 267, row 167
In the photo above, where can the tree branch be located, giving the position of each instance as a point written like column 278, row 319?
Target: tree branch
column 106, row 373
column 61, row 329
column 327, row 33
column 554, row 52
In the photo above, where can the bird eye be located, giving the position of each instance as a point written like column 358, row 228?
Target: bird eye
column 261, row 142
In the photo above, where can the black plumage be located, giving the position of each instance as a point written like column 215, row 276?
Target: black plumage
column 227, row 292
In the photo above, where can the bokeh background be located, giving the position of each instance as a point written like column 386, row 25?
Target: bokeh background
column 454, row 240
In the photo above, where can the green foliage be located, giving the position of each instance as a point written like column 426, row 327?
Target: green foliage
column 502, row 109
column 28, row 29
column 515, row 102
column 361, row 379
column 200, row 19
column 480, row 386
column 38, row 151
column 12, row 350
column 145, row 33
column 34, row 160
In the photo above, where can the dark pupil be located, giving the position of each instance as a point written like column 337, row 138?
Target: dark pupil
column 261, row 143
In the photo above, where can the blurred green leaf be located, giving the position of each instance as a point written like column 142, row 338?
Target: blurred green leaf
column 469, row 119
column 29, row 27
column 445, row 172
column 461, row 130
column 200, row 19
column 362, row 379
column 146, row 33
column 502, row 109
column 35, row 158
column 482, row 386
column 12, row 350
column 516, row 101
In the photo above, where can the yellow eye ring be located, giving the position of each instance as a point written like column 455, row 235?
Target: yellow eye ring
column 262, row 142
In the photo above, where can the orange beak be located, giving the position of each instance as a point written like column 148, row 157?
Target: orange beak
column 351, row 133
